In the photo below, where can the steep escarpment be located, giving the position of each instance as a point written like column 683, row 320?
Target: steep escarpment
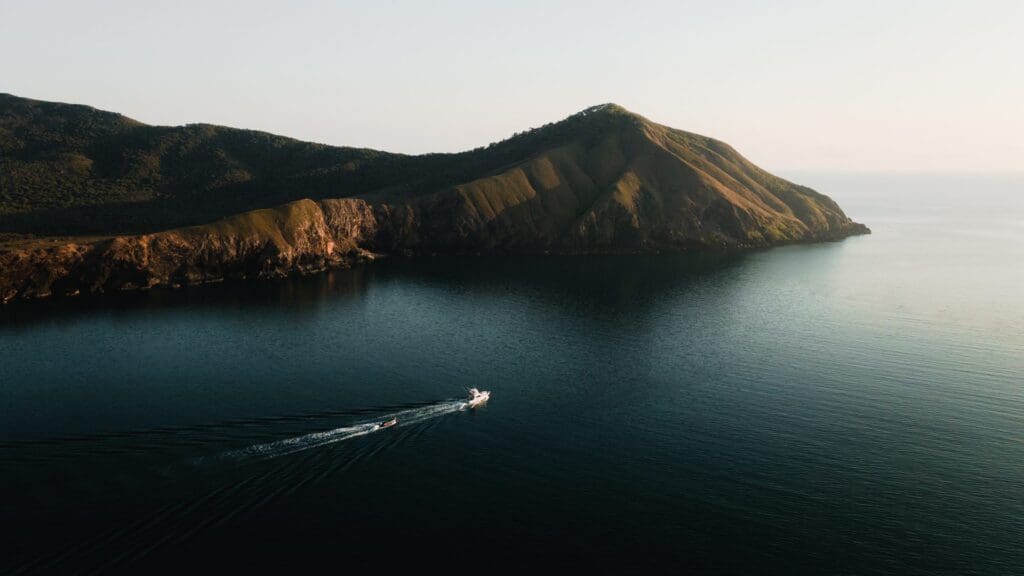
column 298, row 237
column 216, row 203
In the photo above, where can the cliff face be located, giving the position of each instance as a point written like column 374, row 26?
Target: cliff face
column 300, row 237
column 603, row 180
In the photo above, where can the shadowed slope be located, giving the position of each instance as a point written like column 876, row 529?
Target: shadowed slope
column 602, row 180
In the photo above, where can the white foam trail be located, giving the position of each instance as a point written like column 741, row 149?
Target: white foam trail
column 318, row 439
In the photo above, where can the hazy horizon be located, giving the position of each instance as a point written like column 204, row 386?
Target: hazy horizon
column 795, row 87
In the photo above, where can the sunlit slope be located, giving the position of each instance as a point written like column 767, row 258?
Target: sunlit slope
column 127, row 205
column 635, row 185
column 604, row 178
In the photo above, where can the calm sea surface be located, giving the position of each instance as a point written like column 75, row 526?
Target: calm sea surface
column 853, row 407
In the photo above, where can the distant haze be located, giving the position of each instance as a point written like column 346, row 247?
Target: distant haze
column 853, row 86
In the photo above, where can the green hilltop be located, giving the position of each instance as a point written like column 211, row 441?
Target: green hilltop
column 72, row 169
column 603, row 179
column 91, row 201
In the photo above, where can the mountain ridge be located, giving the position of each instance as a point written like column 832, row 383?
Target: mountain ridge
column 198, row 203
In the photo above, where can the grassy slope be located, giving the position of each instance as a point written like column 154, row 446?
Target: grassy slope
column 604, row 178
column 70, row 169
column 633, row 185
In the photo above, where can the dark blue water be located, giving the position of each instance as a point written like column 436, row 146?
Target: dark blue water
column 854, row 407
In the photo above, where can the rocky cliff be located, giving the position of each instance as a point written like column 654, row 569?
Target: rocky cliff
column 603, row 180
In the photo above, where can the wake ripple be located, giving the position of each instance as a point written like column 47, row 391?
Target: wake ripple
column 318, row 439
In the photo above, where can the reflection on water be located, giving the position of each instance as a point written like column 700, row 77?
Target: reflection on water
column 296, row 294
column 604, row 280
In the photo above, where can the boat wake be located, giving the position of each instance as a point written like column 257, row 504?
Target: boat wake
column 222, row 499
column 318, row 439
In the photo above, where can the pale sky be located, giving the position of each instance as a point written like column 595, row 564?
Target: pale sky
column 817, row 85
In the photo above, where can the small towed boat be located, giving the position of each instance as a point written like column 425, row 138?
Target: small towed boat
column 476, row 397
column 388, row 423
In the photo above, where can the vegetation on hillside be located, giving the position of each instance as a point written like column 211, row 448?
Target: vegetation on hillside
column 71, row 169
column 228, row 203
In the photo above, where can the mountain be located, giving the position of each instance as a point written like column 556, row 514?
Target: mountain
column 152, row 205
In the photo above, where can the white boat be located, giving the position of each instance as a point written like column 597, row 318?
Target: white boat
column 476, row 397
column 388, row 423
